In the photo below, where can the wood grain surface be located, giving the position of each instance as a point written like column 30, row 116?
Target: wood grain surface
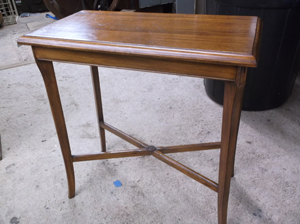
column 227, row 40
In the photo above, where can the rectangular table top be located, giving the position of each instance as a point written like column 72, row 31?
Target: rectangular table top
column 231, row 40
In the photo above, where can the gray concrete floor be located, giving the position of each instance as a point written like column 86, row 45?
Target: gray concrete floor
column 157, row 109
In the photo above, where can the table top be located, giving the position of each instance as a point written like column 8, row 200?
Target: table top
column 230, row 40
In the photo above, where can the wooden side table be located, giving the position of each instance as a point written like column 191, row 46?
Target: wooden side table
column 209, row 46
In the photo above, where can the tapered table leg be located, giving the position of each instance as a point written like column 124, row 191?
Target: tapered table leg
column 47, row 70
column 98, row 101
column 233, row 97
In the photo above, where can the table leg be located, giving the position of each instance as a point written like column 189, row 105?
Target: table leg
column 47, row 70
column 98, row 101
column 233, row 97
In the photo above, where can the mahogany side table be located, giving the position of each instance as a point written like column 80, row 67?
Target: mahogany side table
column 207, row 46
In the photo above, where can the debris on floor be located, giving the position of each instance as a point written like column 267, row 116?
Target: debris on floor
column 118, row 183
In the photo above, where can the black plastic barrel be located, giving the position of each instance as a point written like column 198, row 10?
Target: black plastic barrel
column 269, row 85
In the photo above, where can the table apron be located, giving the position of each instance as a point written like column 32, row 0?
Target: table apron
column 178, row 67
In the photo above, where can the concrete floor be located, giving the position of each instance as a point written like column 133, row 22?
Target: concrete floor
column 157, row 109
